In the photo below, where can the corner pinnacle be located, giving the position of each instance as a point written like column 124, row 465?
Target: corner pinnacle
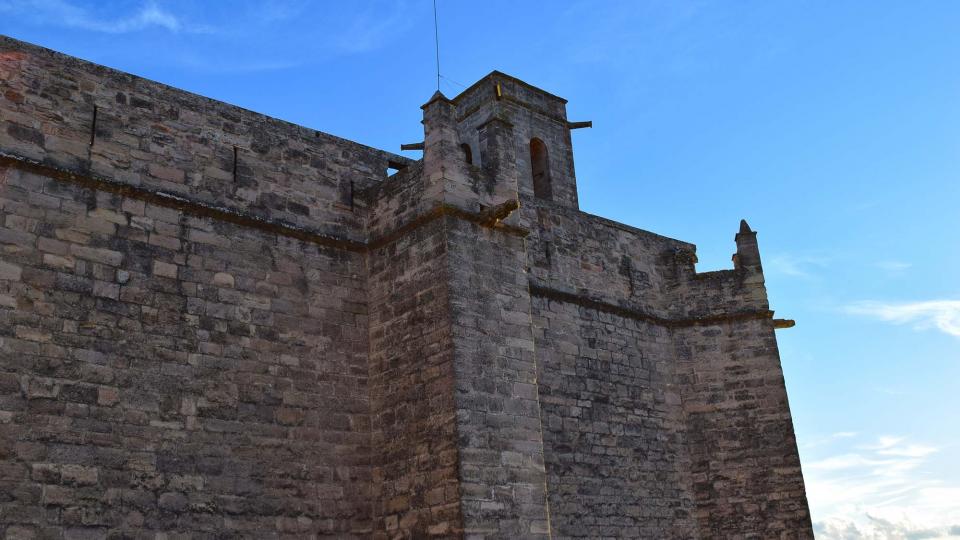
column 437, row 96
column 744, row 227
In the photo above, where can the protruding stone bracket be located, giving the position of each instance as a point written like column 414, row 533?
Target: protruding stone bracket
column 412, row 146
column 396, row 165
column 580, row 125
column 780, row 324
column 490, row 217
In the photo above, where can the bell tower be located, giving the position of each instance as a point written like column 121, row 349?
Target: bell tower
column 502, row 119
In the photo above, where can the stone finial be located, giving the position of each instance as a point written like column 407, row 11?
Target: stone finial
column 437, row 96
column 748, row 252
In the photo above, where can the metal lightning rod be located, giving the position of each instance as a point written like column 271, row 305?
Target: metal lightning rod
column 436, row 41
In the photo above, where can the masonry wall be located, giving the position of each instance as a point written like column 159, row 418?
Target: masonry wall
column 582, row 254
column 614, row 434
column 662, row 398
column 184, row 334
column 746, row 472
column 151, row 135
column 503, row 487
column 214, row 323
column 414, row 442
column 613, row 430
column 171, row 373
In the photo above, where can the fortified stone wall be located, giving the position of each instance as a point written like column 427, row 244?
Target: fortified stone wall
column 181, row 352
column 614, row 434
column 411, row 372
column 169, row 372
column 214, row 323
column 498, row 413
column 582, row 254
column 84, row 117
column 662, row 396
column 744, row 461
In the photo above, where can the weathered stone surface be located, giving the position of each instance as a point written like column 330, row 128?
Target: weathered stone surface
column 216, row 324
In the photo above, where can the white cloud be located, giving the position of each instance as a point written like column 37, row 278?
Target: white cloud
column 884, row 442
column 827, row 439
column 66, row 14
column 877, row 528
column 943, row 315
column 881, row 490
column 894, row 268
column 913, row 450
column 371, row 28
column 847, row 461
column 801, row 266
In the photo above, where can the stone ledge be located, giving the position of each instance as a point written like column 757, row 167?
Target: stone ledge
column 599, row 305
column 489, row 218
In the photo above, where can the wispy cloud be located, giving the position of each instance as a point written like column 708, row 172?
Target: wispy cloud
column 246, row 36
column 800, row 266
column 371, row 28
column 944, row 315
column 66, row 14
column 894, row 268
column 880, row 490
column 826, row 439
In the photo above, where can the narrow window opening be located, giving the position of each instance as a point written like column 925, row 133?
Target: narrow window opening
column 236, row 159
column 93, row 126
column 467, row 153
column 393, row 167
column 540, row 168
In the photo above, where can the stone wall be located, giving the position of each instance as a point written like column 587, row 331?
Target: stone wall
column 663, row 403
column 217, row 324
column 498, row 409
column 744, row 463
column 578, row 253
column 172, row 373
column 161, row 138
column 614, row 434
column 411, row 374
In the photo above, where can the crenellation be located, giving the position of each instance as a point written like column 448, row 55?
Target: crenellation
column 214, row 323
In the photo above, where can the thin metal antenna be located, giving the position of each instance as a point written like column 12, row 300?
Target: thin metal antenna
column 436, row 41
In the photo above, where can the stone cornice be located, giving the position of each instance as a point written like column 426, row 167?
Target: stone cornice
column 635, row 314
column 489, row 218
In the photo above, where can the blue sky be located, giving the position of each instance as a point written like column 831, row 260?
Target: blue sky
column 833, row 127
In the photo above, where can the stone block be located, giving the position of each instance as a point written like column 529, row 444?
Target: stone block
column 223, row 279
column 163, row 269
column 10, row 272
column 78, row 475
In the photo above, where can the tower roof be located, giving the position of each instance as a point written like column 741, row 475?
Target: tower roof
column 500, row 76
